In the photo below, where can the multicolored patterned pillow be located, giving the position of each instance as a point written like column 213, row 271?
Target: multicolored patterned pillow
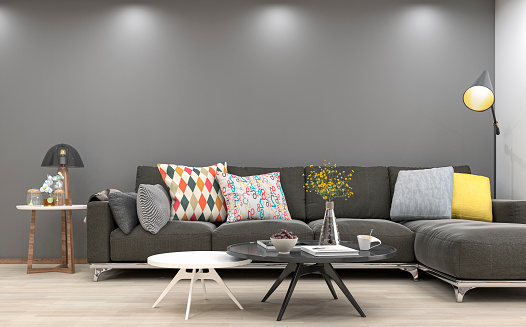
column 195, row 192
column 253, row 197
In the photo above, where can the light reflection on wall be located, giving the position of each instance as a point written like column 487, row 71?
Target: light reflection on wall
column 277, row 26
column 4, row 24
column 133, row 33
column 422, row 19
column 135, row 23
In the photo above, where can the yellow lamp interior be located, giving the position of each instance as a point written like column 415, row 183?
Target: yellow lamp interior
column 478, row 98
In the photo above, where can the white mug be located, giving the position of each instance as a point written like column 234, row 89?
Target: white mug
column 364, row 241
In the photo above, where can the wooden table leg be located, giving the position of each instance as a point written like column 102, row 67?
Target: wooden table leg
column 64, row 238
column 68, row 263
column 31, row 242
column 71, row 255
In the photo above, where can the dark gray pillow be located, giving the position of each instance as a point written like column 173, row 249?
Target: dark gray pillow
column 153, row 207
column 124, row 210
column 423, row 194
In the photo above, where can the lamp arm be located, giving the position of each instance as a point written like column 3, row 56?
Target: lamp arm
column 495, row 122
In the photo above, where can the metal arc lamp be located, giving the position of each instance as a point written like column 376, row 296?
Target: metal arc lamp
column 63, row 156
column 480, row 97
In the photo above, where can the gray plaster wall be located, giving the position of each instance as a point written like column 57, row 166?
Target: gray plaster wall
column 248, row 82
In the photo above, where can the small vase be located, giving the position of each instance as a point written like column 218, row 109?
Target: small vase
column 49, row 201
column 329, row 229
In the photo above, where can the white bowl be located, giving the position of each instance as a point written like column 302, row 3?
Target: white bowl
column 284, row 245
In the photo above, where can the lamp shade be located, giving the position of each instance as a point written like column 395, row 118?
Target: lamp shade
column 62, row 155
column 480, row 95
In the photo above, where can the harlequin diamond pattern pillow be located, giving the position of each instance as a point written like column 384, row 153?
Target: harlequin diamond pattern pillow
column 195, row 192
column 253, row 197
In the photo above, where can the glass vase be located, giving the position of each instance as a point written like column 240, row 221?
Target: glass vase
column 329, row 229
column 49, row 201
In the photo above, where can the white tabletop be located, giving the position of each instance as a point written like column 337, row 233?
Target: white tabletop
column 196, row 259
column 43, row 208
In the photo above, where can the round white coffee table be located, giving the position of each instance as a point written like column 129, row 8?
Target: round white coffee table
column 198, row 261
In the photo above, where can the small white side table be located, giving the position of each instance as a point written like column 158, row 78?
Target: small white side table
column 68, row 257
column 198, row 261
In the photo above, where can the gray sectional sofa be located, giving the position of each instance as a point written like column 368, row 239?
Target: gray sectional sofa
column 464, row 253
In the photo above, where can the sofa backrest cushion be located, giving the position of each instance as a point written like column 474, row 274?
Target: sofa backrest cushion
column 292, row 181
column 393, row 173
column 371, row 198
column 149, row 175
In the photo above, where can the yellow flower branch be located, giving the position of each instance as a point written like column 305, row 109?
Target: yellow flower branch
column 328, row 182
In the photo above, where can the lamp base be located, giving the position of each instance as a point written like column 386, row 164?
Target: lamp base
column 67, row 191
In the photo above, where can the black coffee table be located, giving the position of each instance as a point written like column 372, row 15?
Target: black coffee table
column 302, row 263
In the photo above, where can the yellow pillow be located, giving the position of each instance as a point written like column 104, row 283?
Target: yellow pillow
column 471, row 198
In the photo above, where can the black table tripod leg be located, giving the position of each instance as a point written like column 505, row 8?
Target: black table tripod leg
column 329, row 283
column 289, row 269
column 329, row 270
column 295, row 278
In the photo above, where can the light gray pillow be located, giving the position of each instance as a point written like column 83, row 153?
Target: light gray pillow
column 423, row 194
column 153, row 207
column 124, row 210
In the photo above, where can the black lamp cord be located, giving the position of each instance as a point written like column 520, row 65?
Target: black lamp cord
column 496, row 131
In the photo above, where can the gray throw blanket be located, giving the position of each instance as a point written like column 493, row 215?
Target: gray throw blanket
column 101, row 196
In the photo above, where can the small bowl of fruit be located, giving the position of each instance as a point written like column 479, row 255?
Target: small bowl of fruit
column 284, row 241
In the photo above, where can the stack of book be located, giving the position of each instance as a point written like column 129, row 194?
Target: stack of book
column 329, row 250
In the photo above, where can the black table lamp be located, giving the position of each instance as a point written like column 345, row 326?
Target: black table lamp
column 63, row 156
column 480, row 97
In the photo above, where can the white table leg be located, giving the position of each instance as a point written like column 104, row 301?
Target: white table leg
column 194, row 275
column 215, row 276
column 181, row 274
column 203, row 283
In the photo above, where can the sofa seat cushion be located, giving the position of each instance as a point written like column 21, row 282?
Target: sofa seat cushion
column 175, row 236
column 471, row 249
column 251, row 231
column 390, row 233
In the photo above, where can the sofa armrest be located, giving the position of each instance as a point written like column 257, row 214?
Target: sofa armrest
column 509, row 211
column 100, row 224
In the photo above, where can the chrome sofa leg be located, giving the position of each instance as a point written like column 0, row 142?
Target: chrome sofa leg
column 460, row 292
column 413, row 271
column 97, row 272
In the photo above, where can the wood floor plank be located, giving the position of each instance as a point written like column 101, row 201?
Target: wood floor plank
column 125, row 297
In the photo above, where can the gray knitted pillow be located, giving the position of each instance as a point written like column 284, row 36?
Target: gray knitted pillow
column 153, row 207
column 423, row 194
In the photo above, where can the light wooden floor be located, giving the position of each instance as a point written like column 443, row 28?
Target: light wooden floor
column 125, row 297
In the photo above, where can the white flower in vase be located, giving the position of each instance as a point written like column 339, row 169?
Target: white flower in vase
column 51, row 184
